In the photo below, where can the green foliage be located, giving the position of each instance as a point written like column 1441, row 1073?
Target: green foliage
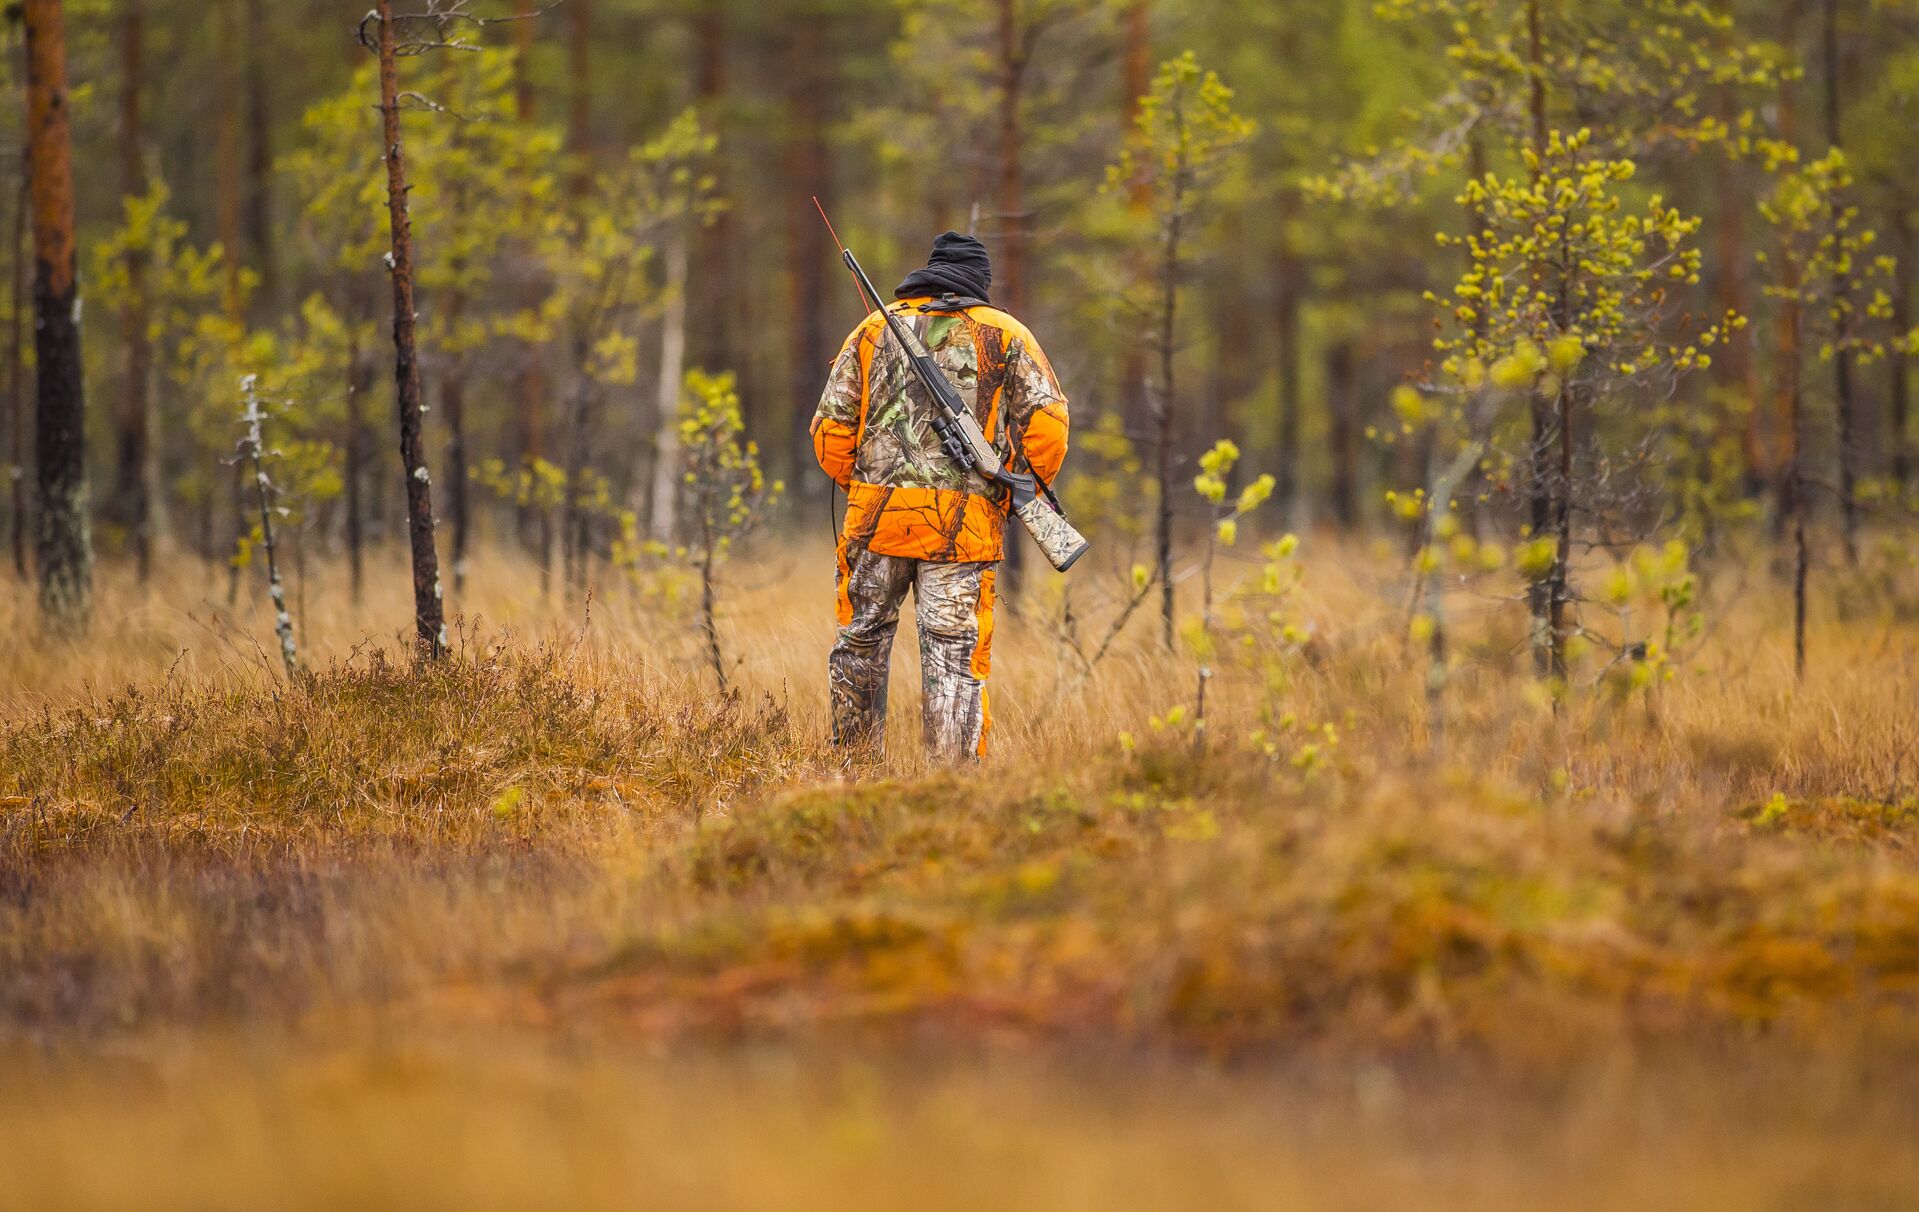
column 727, row 493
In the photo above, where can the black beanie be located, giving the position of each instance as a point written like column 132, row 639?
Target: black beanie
column 959, row 265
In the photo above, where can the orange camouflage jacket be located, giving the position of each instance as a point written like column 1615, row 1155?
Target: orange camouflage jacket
column 873, row 431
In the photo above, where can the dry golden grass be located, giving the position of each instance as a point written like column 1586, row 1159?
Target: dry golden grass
column 563, row 834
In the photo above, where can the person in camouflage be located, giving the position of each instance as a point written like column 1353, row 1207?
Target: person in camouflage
column 915, row 519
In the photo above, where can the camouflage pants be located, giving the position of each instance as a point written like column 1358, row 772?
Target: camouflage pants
column 953, row 608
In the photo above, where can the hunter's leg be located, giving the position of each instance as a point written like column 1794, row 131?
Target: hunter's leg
column 953, row 604
column 871, row 588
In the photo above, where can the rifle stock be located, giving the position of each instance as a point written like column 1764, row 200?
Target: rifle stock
column 1029, row 498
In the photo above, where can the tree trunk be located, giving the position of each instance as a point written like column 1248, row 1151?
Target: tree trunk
column 428, row 619
column 1136, row 79
column 573, row 518
column 226, row 165
column 666, row 453
column 359, row 384
column 711, row 321
column 1010, row 183
column 1286, row 282
column 453, row 404
column 1736, row 370
column 579, row 109
column 524, row 13
column 529, row 381
column 1561, row 581
column 1342, row 401
column 1169, row 324
column 259, row 153
column 1539, row 488
column 1786, row 386
column 65, row 546
column 810, row 172
column 16, row 375
column 1899, row 403
column 1843, row 394
column 132, row 494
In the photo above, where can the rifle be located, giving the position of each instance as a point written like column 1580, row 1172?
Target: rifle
column 960, row 436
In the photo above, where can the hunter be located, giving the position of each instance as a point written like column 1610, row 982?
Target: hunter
column 916, row 518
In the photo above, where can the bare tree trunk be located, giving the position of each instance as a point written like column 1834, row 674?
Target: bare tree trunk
column 453, row 404
column 227, row 189
column 1843, row 392
column 65, row 546
column 1539, row 488
column 259, row 154
column 711, row 319
column 666, row 455
column 226, row 164
column 255, row 446
column 132, row 493
column 1136, row 78
column 1561, row 580
column 428, row 618
column 1010, row 183
column 16, row 374
column 579, row 109
column 1342, row 401
column 1792, row 481
column 1900, row 396
column 1169, row 323
column 1786, row 388
column 1736, row 369
column 529, row 381
column 810, row 172
column 1232, row 374
column 1286, row 348
column 523, row 100
column 359, row 383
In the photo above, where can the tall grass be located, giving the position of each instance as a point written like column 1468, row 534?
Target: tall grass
column 566, row 819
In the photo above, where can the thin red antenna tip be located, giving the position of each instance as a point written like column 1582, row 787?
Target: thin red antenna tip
column 829, row 223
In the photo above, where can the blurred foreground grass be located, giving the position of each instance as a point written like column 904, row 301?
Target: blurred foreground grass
column 438, row 1120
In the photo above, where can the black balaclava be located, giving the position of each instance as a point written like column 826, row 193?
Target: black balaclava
column 959, row 265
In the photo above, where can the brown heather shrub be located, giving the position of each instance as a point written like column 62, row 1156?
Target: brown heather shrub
column 561, row 823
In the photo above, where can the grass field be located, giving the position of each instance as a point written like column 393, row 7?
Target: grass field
column 554, row 922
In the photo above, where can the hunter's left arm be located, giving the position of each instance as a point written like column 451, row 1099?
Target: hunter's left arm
column 1036, row 408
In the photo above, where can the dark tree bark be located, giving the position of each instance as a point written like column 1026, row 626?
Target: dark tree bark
column 1286, row 283
column 523, row 11
column 711, row 326
column 1010, row 179
column 16, row 373
column 453, row 405
column 579, row 109
column 65, row 545
column 258, row 194
column 359, row 384
column 810, row 171
column 529, row 380
column 1163, row 407
column 1342, row 401
column 226, row 165
column 428, row 617
column 132, row 493
column 1899, row 396
column 1136, row 79
column 1843, row 391
column 1539, row 486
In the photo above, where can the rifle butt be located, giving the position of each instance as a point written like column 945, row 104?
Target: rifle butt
column 1058, row 541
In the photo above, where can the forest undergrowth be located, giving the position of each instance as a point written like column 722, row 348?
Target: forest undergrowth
column 565, row 823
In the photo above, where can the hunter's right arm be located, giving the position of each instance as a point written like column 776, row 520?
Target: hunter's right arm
column 836, row 422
